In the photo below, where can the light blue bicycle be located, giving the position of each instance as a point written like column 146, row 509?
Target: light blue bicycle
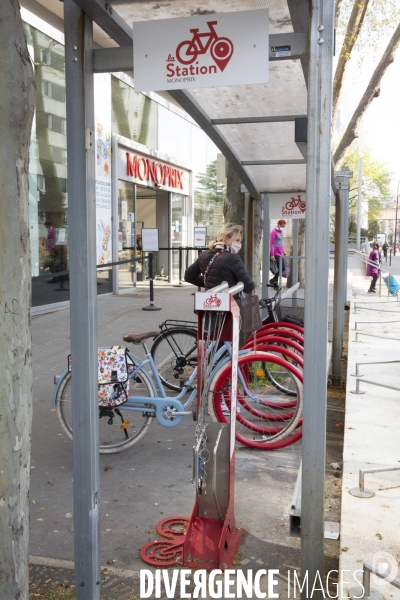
column 120, row 427
column 147, row 398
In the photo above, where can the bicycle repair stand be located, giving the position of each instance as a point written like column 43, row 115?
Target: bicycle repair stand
column 211, row 537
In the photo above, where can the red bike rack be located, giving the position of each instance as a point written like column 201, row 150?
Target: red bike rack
column 210, row 538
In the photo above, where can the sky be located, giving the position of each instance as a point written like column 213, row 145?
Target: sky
column 382, row 120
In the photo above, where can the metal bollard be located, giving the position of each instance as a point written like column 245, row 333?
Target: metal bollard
column 151, row 306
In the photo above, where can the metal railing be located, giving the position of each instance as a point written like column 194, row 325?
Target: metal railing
column 367, row 305
column 365, row 591
column 373, row 322
column 373, row 362
column 385, row 385
column 382, row 337
column 360, row 491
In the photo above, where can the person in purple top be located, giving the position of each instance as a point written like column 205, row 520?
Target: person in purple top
column 276, row 248
column 373, row 270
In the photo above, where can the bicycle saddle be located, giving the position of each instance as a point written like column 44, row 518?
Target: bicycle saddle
column 137, row 338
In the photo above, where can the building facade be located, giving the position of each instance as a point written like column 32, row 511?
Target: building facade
column 155, row 169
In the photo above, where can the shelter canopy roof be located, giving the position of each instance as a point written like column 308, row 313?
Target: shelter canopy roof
column 285, row 94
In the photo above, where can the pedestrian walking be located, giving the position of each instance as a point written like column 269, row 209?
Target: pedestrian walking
column 277, row 250
column 373, row 269
column 385, row 249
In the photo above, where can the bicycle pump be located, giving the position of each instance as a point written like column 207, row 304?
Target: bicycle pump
column 212, row 537
column 209, row 539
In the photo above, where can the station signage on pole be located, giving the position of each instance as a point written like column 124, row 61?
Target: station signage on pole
column 287, row 206
column 202, row 51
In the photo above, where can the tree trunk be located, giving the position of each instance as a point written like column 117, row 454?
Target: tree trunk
column 234, row 202
column 338, row 6
column 352, row 33
column 17, row 97
column 372, row 91
column 234, row 213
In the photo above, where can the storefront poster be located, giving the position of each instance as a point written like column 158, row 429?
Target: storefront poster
column 124, row 210
column 150, row 240
column 201, row 51
column 102, row 94
column 199, row 238
column 119, row 240
column 287, row 206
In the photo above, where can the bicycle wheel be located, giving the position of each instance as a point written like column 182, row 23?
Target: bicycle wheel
column 175, row 355
column 119, row 429
column 284, row 325
column 261, row 421
column 281, row 378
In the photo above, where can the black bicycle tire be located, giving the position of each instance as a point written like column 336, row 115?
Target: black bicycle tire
column 164, row 336
column 103, row 449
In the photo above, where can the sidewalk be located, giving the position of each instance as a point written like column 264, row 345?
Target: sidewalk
column 152, row 480
column 370, row 526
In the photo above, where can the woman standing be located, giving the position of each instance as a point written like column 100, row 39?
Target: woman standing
column 373, row 270
column 221, row 262
column 276, row 249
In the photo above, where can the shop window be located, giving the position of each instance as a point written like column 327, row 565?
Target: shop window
column 135, row 116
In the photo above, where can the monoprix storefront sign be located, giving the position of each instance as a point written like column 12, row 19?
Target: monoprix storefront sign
column 203, row 51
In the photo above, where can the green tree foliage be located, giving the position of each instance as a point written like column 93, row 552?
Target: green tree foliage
column 376, row 183
column 381, row 18
column 209, row 196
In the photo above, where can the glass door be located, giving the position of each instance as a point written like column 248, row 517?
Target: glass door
column 126, row 233
column 179, row 235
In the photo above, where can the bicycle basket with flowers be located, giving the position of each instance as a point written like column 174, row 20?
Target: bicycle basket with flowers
column 113, row 377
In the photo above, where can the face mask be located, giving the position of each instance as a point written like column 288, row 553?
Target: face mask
column 235, row 247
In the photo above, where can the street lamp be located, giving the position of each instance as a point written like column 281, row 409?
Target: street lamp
column 395, row 223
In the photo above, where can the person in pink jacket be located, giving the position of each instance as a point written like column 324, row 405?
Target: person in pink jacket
column 373, row 270
column 276, row 248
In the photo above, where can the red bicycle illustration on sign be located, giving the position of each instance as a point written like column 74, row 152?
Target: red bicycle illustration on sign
column 296, row 203
column 213, row 302
column 221, row 48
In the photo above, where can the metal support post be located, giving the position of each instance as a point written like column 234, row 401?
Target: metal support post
column 265, row 250
column 316, row 288
column 83, row 298
column 246, row 229
column 340, row 275
column 295, row 263
column 360, row 171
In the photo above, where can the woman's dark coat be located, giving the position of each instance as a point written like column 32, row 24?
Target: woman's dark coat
column 226, row 267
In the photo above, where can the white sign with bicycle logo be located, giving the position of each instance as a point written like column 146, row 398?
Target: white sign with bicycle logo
column 210, row 301
column 202, row 51
column 287, row 206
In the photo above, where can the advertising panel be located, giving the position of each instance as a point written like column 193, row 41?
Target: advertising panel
column 201, row 51
column 150, row 239
column 199, row 238
column 287, row 206
column 102, row 94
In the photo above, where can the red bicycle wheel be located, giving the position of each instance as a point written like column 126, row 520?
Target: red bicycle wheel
column 274, row 339
column 284, row 324
column 257, row 423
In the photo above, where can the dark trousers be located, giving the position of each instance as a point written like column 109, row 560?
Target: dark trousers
column 281, row 266
column 373, row 282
